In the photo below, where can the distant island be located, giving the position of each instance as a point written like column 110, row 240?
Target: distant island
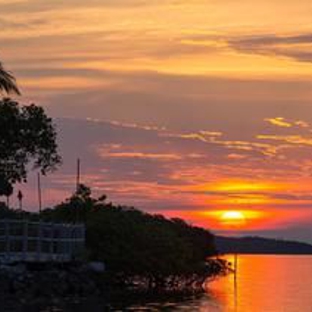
column 260, row 245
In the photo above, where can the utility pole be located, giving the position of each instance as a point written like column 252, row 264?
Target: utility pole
column 39, row 192
column 78, row 175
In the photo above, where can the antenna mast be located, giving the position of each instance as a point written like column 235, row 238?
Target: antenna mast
column 78, row 175
column 39, row 192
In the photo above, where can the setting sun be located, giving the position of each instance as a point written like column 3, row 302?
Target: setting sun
column 233, row 215
column 228, row 220
column 233, row 218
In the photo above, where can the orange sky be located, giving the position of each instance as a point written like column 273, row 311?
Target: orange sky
column 186, row 108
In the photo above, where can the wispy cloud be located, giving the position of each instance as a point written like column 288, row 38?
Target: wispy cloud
column 279, row 121
column 298, row 47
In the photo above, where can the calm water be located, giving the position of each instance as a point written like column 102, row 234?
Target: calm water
column 264, row 284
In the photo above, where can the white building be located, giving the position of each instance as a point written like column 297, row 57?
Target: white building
column 27, row 241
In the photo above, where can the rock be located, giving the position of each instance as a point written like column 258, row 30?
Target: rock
column 98, row 267
column 48, row 284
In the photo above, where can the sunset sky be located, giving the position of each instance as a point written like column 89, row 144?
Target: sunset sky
column 187, row 108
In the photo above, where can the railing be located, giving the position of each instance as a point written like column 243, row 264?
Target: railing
column 27, row 241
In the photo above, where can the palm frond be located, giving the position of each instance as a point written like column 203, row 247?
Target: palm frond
column 7, row 82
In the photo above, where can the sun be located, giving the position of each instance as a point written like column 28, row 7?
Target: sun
column 233, row 218
column 233, row 215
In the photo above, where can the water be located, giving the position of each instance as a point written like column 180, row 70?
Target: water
column 263, row 284
column 266, row 284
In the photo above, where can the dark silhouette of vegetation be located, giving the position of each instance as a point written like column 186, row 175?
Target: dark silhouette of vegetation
column 140, row 249
column 135, row 244
column 27, row 135
column 259, row 245
column 6, row 188
column 7, row 82
column 9, row 213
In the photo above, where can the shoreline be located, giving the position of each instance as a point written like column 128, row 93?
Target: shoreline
column 22, row 286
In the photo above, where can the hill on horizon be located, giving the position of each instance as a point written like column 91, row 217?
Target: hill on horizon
column 260, row 245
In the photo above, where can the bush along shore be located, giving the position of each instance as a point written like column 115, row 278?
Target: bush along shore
column 23, row 285
column 141, row 252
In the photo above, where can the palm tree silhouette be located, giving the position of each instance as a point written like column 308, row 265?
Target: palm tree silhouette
column 7, row 82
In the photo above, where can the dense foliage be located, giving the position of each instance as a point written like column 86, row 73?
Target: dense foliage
column 27, row 135
column 133, row 243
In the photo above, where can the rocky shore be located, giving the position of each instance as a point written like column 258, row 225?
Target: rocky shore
column 24, row 286
column 68, row 287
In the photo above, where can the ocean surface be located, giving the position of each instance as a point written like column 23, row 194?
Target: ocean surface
column 262, row 284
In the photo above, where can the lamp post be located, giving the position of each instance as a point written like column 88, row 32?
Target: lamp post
column 20, row 199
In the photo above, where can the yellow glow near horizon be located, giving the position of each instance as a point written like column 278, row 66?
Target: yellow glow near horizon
column 234, row 219
column 233, row 215
column 244, row 186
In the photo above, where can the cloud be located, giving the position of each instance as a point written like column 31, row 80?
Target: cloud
column 279, row 121
column 42, row 5
column 140, row 155
column 161, row 103
column 7, row 23
column 131, row 152
column 297, row 47
column 236, row 156
column 163, row 170
column 272, row 40
column 287, row 123
column 291, row 139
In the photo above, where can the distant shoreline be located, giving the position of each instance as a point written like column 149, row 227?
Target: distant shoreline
column 261, row 246
column 267, row 254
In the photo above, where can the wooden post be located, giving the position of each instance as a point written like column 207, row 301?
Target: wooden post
column 235, row 261
column 235, row 278
column 25, row 239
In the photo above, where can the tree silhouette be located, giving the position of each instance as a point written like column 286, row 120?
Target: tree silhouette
column 27, row 136
column 6, row 188
column 134, row 244
column 7, row 82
